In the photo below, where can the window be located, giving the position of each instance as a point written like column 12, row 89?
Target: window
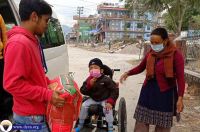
column 7, row 14
column 53, row 36
column 108, row 24
column 148, row 27
column 127, row 25
column 140, row 25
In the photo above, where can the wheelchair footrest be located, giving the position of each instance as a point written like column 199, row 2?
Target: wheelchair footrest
column 90, row 126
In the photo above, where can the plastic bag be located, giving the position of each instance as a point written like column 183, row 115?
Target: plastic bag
column 60, row 119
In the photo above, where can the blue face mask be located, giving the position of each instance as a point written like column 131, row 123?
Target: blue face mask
column 157, row 47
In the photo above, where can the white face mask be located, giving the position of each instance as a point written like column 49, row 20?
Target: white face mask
column 157, row 47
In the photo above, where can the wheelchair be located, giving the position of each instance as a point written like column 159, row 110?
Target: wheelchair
column 95, row 122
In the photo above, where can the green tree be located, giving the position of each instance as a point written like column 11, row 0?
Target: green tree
column 195, row 22
column 187, row 19
column 176, row 10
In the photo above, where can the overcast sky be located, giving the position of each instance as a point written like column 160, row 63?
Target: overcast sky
column 65, row 9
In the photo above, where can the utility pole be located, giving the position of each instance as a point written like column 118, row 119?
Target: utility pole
column 79, row 12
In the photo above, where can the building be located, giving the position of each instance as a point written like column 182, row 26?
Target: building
column 84, row 26
column 118, row 22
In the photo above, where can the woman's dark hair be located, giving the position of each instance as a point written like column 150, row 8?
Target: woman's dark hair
column 161, row 32
column 26, row 7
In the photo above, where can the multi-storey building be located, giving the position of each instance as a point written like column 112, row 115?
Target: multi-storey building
column 118, row 22
column 84, row 26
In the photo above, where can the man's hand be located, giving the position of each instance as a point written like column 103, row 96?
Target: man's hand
column 56, row 99
column 92, row 81
column 108, row 106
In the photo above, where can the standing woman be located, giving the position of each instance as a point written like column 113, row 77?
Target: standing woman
column 5, row 98
column 162, row 92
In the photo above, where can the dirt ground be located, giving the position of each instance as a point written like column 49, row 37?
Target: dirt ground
column 190, row 117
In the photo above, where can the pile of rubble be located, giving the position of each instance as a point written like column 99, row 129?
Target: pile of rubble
column 193, row 66
column 119, row 47
column 189, row 117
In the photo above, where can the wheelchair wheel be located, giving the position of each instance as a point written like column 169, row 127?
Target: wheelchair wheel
column 122, row 116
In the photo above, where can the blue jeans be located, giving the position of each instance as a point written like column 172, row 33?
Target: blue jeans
column 38, row 120
column 85, row 106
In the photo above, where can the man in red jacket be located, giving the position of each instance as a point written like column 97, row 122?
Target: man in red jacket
column 24, row 76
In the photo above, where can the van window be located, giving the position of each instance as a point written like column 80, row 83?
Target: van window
column 53, row 36
column 7, row 14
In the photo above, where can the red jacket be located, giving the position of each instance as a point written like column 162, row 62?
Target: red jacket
column 24, row 76
column 163, row 82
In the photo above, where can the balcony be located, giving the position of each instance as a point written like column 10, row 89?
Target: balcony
column 123, row 30
column 83, row 18
column 121, row 17
column 110, row 7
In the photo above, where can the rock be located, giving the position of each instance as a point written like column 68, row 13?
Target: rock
column 187, row 96
column 194, row 90
column 197, row 108
column 123, row 46
column 110, row 51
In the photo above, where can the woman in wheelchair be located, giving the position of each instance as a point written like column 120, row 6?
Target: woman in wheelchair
column 101, row 90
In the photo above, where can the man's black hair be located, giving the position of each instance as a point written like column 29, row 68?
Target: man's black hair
column 161, row 32
column 26, row 7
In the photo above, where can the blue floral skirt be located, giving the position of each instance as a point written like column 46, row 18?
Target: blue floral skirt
column 155, row 107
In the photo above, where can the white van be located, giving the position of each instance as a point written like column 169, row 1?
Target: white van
column 53, row 42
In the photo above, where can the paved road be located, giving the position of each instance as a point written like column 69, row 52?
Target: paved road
column 78, row 63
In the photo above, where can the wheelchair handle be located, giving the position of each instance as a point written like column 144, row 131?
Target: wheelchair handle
column 116, row 69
